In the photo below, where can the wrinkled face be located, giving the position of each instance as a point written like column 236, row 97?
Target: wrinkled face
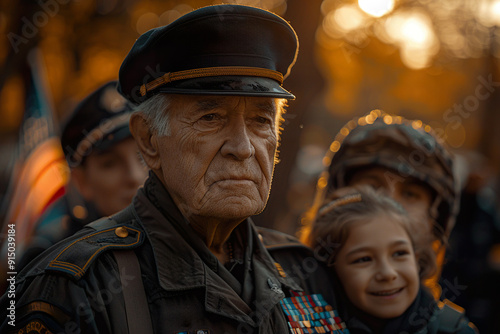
column 412, row 194
column 111, row 178
column 218, row 160
column 377, row 267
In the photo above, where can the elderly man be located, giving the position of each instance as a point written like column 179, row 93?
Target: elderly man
column 185, row 257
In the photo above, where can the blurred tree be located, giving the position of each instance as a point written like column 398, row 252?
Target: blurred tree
column 419, row 58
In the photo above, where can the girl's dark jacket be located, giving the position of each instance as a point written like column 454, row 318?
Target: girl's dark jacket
column 424, row 316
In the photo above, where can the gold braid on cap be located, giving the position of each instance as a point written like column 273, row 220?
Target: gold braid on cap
column 211, row 72
column 354, row 198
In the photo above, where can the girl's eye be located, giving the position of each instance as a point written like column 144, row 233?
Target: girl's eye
column 401, row 253
column 362, row 259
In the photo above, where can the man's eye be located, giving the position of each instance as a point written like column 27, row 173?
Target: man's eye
column 376, row 185
column 411, row 194
column 209, row 117
column 108, row 163
column 263, row 120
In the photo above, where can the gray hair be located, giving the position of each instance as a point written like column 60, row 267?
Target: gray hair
column 159, row 122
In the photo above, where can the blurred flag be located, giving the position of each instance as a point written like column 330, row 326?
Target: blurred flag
column 41, row 172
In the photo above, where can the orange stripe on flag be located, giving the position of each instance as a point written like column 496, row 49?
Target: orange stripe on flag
column 43, row 174
column 54, row 198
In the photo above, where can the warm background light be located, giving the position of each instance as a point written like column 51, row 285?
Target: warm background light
column 348, row 17
column 376, row 8
column 412, row 32
column 488, row 12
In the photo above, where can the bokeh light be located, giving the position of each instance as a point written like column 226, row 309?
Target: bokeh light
column 488, row 12
column 376, row 8
column 348, row 17
column 146, row 22
column 171, row 15
column 413, row 32
column 276, row 6
column 345, row 19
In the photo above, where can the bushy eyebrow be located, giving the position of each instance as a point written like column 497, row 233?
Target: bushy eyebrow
column 267, row 106
column 209, row 104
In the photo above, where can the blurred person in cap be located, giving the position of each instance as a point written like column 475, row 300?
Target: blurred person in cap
column 105, row 165
column 185, row 257
column 404, row 158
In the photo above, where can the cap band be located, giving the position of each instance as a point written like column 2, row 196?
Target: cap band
column 211, row 72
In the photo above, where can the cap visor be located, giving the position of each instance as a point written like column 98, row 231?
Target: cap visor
column 113, row 138
column 228, row 85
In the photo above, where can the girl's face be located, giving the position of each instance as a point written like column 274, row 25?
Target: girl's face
column 377, row 267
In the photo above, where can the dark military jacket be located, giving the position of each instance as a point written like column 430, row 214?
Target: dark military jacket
column 74, row 287
column 57, row 223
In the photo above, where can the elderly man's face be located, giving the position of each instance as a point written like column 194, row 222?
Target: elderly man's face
column 218, row 160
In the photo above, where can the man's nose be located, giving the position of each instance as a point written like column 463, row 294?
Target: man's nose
column 390, row 190
column 394, row 191
column 238, row 144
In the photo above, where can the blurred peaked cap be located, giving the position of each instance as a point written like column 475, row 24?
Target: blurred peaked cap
column 215, row 50
column 401, row 145
column 97, row 122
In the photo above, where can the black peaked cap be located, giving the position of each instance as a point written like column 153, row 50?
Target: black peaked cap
column 98, row 121
column 215, row 50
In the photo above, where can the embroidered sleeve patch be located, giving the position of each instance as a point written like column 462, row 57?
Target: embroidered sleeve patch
column 34, row 326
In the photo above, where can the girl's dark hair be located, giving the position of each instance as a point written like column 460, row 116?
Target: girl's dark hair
column 353, row 205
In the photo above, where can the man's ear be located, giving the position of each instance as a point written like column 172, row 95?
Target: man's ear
column 146, row 140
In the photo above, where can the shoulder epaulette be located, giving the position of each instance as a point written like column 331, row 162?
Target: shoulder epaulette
column 105, row 234
column 450, row 319
column 274, row 240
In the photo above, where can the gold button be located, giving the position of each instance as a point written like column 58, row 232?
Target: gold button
column 121, row 231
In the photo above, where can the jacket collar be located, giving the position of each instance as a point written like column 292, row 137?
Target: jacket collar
column 184, row 262
column 413, row 320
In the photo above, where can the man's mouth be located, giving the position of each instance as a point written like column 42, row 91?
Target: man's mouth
column 386, row 293
column 236, row 178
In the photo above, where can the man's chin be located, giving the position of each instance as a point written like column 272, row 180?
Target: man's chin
column 234, row 207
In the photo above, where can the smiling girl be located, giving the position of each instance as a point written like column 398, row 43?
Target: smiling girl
column 380, row 260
